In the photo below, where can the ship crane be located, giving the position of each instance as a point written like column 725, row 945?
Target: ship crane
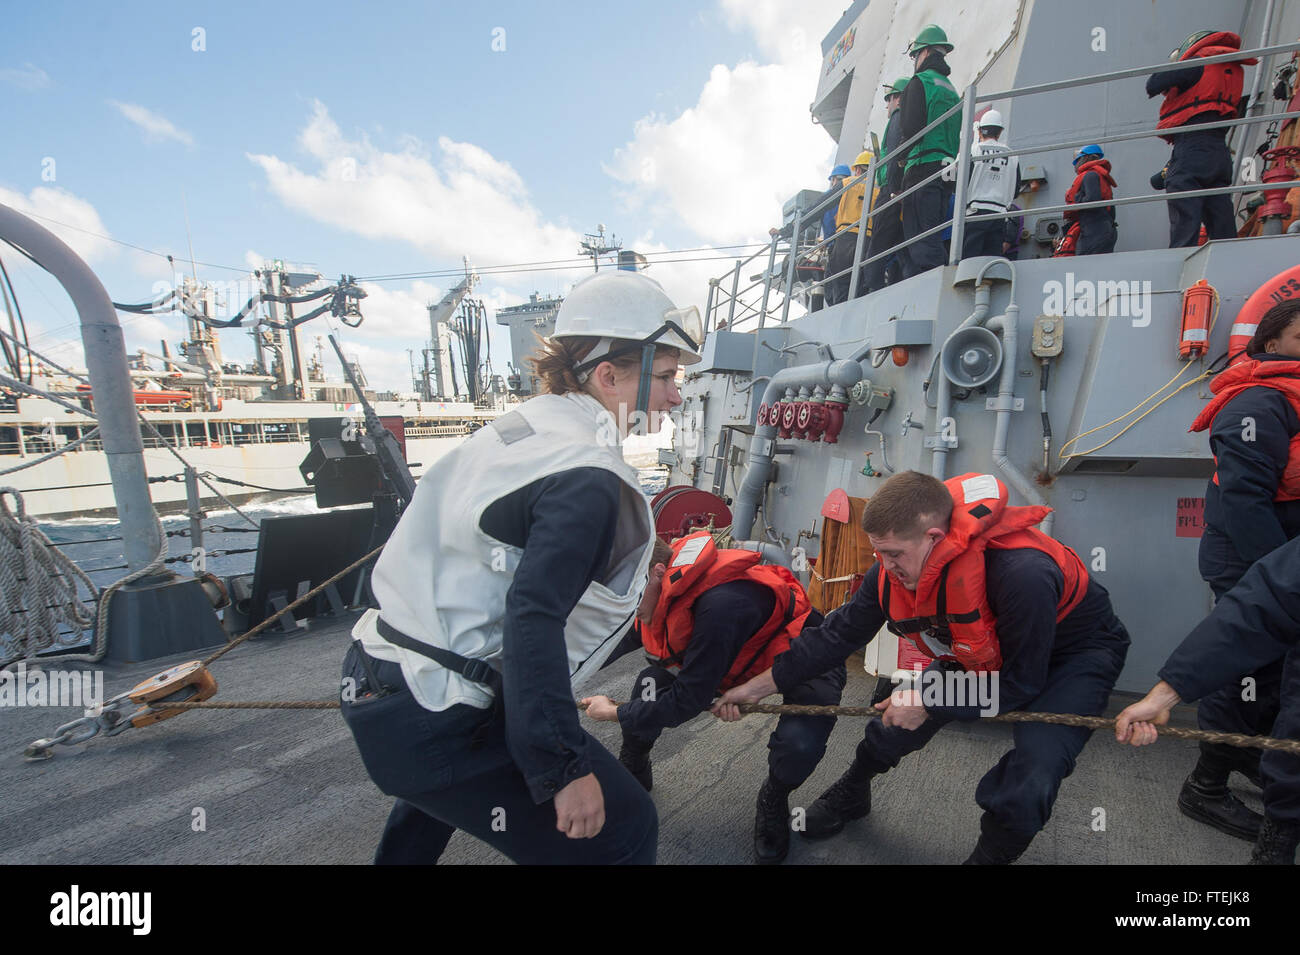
column 438, row 376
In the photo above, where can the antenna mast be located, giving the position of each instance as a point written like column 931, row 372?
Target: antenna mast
column 594, row 245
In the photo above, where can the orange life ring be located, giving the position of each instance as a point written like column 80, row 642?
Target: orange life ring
column 1280, row 288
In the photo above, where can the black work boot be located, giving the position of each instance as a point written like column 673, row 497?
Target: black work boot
column 772, row 823
column 635, row 757
column 997, row 845
column 1276, row 844
column 1206, row 799
column 848, row 798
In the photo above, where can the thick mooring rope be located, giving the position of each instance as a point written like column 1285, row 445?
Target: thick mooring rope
column 793, row 709
column 39, row 586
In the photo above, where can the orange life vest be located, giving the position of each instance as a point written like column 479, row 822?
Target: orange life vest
column 948, row 615
column 1069, row 241
column 1102, row 168
column 1217, row 91
column 1283, row 376
column 696, row 566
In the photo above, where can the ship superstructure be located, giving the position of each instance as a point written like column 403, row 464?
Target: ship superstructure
column 1062, row 376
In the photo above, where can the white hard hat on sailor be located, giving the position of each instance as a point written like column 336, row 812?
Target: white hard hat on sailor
column 618, row 306
column 991, row 118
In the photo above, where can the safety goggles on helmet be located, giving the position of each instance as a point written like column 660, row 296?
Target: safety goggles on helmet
column 682, row 329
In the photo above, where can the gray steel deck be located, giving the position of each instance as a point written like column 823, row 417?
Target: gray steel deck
column 289, row 787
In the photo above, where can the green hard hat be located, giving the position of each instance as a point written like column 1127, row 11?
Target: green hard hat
column 930, row 35
column 1191, row 41
column 896, row 87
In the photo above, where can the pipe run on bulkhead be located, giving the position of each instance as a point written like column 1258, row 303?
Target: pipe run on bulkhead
column 835, row 377
column 943, row 399
column 1008, row 325
column 771, row 552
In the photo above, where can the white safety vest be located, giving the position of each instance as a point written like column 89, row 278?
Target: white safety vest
column 993, row 181
column 443, row 581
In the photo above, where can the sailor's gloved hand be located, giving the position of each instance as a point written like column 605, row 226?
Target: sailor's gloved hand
column 580, row 808
column 756, row 689
column 903, row 709
column 1158, row 180
column 1137, row 723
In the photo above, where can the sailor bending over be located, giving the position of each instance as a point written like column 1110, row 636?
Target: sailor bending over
column 717, row 618
column 970, row 581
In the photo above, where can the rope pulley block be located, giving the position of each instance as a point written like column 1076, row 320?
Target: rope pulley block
column 183, row 683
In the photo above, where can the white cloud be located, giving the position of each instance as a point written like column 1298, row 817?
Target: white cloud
column 725, row 166
column 28, row 77
column 398, row 315
column 783, row 32
column 156, row 128
column 147, row 265
column 71, row 218
column 458, row 200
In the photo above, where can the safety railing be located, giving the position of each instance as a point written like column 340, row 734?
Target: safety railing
column 720, row 295
column 438, row 431
column 956, row 173
column 971, row 98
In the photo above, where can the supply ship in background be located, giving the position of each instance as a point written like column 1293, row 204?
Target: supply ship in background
column 249, row 428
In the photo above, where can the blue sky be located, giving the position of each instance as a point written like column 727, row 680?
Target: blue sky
column 637, row 116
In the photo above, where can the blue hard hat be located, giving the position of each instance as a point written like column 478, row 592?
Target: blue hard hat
column 1086, row 152
column 840, row 170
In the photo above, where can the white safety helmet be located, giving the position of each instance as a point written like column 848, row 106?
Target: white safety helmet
column 991, row 118
column 624, row 310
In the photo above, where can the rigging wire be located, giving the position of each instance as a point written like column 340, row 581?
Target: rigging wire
column 581, row 261
column 450, row 273
column 14, row 357
column 129, row 245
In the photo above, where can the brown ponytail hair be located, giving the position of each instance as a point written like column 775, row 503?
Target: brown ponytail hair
column 554, row 364
column 558, row 357
column 1275, row 321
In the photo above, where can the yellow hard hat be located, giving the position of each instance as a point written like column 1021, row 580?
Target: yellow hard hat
column 864, row 158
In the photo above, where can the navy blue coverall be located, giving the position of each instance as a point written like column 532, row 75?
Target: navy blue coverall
column 1254, row 626
column 1070, row 667
column 461, row 768
column 1250, row 439
column 726, row 617
column 887, row 228
column 1097, row 232
column 1200, row 160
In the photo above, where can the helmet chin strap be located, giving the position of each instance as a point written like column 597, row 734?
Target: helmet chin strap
column 643, row 385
